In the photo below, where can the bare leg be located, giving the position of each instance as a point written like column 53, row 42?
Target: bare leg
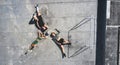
column 35, row 17
column 63, row 51
column 30, row 48
column 45, row 26
column 40, row 34
column 36, row 20
column 62, row 48
column 38, row 13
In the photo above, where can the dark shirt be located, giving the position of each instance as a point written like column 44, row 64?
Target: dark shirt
column 56, row 36
column 40, row 22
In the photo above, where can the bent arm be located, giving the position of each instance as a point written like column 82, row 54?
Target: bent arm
column 58, row 32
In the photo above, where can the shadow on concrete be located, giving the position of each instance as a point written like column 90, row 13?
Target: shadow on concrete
column 80, row 50
column 83, row 48
column 32, row 21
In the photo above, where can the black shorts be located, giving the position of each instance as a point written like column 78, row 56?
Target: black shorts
column 43, row 30
column 41, row 22
column 61, row 41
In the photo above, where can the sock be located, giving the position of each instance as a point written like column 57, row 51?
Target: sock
column 37, row 9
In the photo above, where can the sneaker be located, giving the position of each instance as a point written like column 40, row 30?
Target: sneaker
column 30, row 51
column 69, row 43
column 63, row 55
column 36, row 6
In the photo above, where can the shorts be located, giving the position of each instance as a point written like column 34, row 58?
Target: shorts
column 38, row 38
column 36, row 41
column 61, row 41
column 43, row 30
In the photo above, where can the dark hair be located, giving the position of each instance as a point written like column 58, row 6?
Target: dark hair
column 51, row 34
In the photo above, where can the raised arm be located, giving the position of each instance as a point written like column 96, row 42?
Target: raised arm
column 58, row 32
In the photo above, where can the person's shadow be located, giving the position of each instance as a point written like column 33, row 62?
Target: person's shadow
column 55, row 41
column 32, row 21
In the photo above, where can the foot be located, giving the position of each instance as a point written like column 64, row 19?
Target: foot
column 37, row 9
column 69, row 43
column 36, row 6
column 63, row 55
column 28, row 51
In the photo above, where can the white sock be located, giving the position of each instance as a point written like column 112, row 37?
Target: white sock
column 37, row 9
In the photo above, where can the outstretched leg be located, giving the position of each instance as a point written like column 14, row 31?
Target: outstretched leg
column 62, row 51
column 40, row 34
column 64, row 42
column 43, row 27
column 32, row 46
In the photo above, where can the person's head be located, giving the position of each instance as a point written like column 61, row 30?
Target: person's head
column 52, row 34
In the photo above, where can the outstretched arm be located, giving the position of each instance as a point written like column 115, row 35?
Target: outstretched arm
column 58, row 32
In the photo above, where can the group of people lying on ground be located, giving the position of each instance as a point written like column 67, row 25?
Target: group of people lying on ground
column 42, row 33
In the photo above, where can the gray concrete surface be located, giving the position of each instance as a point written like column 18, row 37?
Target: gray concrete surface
column 112, row 40
column 111, row 46
column 16, row 34
column 114, row 16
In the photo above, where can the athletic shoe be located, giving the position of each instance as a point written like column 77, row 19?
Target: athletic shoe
column 63, row 55
column 36, row 6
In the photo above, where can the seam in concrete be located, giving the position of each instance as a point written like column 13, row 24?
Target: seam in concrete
column 113, row 26
column 56, row 2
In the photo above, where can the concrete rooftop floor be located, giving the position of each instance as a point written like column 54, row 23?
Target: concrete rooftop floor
column 16, row 34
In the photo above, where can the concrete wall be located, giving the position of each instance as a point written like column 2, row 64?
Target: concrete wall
column 16, row 34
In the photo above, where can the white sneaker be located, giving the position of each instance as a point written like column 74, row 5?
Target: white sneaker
column 29, row 50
